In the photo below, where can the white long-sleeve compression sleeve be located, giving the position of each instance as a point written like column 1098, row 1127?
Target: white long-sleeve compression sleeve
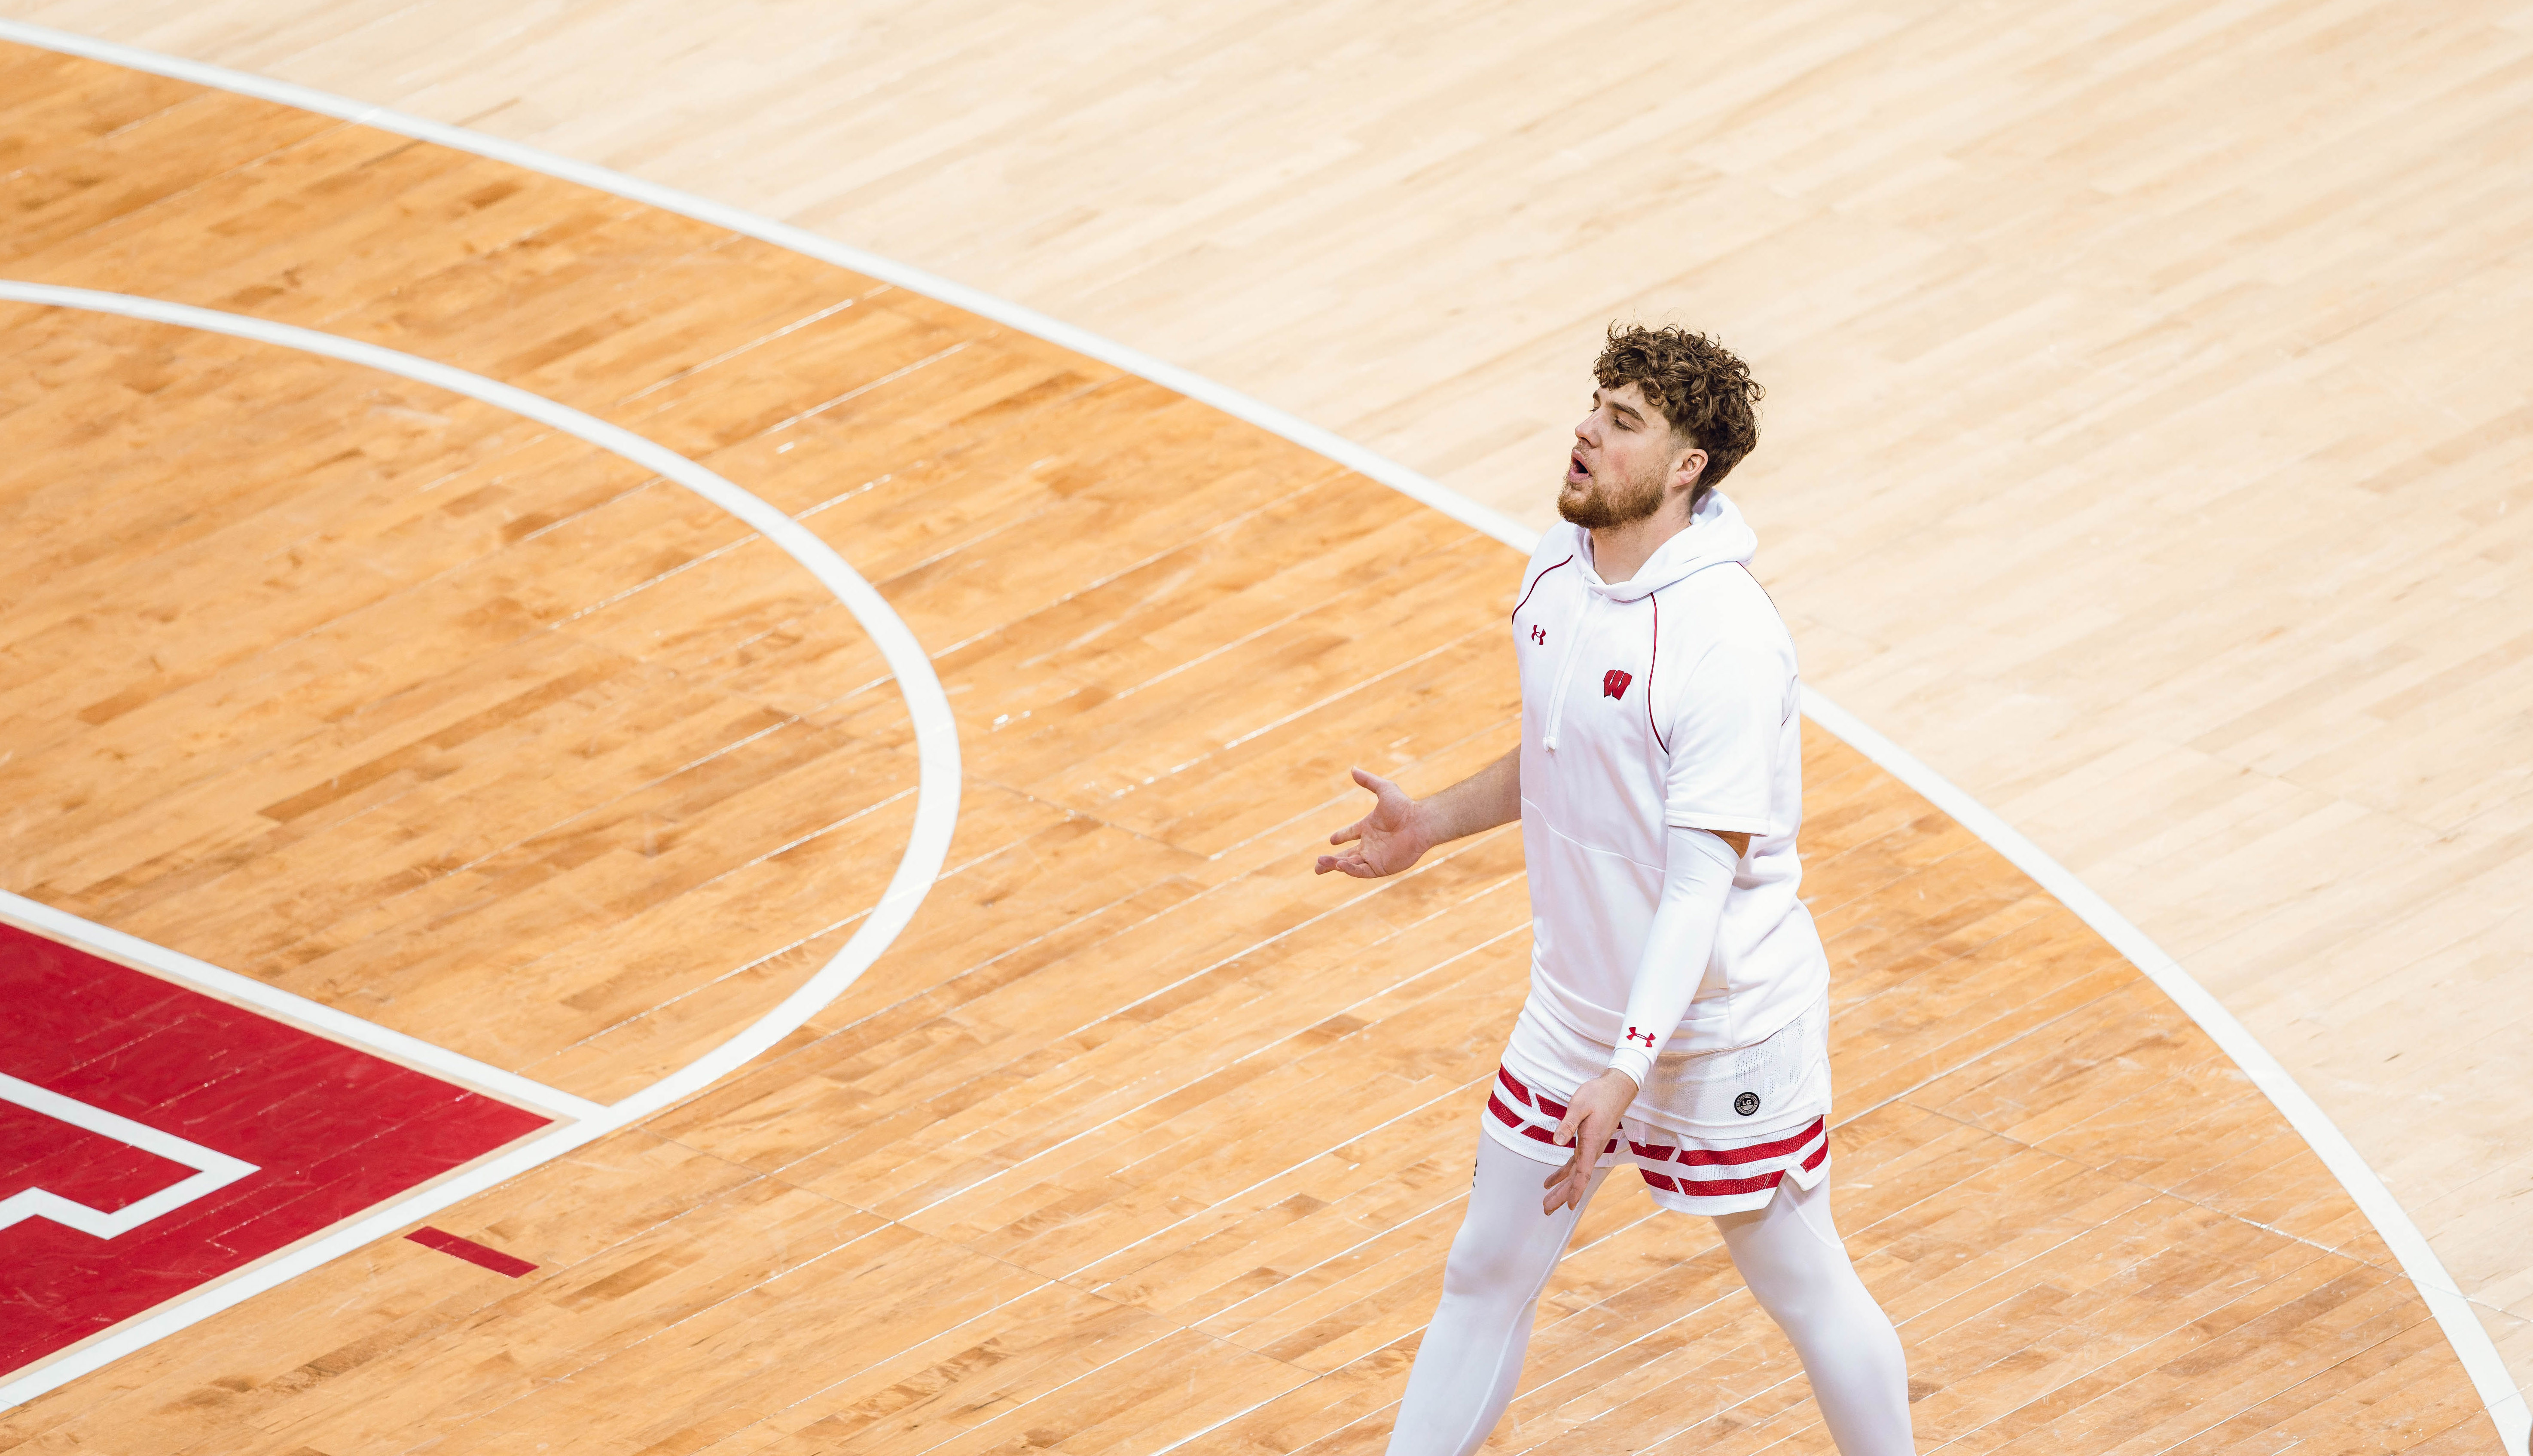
column 1697, row 872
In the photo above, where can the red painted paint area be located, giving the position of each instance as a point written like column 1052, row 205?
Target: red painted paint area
column 471, row 1252
column 332, row 1132
column 37, row 1150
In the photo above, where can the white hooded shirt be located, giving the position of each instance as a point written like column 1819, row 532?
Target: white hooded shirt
column 1666, row 699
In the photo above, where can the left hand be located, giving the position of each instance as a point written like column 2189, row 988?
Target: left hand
column 1392, row 836
column 1590, row 1121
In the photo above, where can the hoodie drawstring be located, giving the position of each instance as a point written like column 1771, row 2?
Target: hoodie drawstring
column 1716, row 535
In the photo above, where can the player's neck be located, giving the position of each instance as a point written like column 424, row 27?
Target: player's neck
column 1618, row 552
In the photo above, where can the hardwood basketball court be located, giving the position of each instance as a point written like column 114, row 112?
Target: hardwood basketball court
column 1139, row 1134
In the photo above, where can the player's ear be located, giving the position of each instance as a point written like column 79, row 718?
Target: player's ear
column 1685, row 470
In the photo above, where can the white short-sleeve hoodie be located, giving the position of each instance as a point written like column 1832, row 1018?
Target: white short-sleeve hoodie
column 1668, row 698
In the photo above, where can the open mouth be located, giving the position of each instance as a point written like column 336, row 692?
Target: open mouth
column 1576, row 472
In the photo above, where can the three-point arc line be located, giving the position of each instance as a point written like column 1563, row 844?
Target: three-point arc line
column 2471, row 1343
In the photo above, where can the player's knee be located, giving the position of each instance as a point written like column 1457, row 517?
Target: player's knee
column 1793, row 1302
column 1481, row 1268
column 1804, row 1285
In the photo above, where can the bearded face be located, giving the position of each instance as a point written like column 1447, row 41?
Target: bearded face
column 1602, row 503
column 1626, row 461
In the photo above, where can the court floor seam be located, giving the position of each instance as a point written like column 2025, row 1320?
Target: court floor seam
column 938, row 780
column 2471, row 1342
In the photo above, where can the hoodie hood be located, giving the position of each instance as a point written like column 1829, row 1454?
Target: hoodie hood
column 1717, row 536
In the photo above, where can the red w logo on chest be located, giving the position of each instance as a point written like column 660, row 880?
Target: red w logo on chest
column 1614, row 684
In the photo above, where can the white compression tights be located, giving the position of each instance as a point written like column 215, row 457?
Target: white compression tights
column 1787, row 1252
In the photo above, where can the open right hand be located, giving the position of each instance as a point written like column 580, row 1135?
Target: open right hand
column 1389, row 839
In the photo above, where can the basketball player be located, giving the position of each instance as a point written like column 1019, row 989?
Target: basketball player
column 1678, row 1006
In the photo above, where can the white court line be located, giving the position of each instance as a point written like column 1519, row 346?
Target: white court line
column 2444, row 1298
column 341, row 1025
column 2471, row 1343
column 211, row 1170
column 937, row 812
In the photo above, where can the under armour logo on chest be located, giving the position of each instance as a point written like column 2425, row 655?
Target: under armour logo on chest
column 1614, row 684
column 1539, row 635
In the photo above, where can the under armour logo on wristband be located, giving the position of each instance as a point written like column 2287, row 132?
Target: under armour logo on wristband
column 1614, row 684
column 1647, row 1036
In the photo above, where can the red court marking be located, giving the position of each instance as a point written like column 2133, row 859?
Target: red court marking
column 470, row 1251
column 40, row 1151
column 333, row 1131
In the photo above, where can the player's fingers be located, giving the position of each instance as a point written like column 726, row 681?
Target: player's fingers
column 1591, row 1139
column 1347, row 835
column 1560, row 1188
column 1392, row 796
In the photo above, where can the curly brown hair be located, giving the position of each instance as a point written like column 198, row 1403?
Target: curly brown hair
column 1700, row 387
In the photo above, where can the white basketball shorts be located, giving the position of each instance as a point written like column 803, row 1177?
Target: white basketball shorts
column 1711, row 1134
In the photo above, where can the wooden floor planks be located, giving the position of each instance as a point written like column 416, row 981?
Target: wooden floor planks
column 2144, row 437
column 1141, row 1133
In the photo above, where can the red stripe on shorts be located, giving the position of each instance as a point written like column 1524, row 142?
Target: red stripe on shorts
column 1531, row 1119
column 1721, row 1188
column 1716, row 1188
column 1756, row 1152
column 1520, row 1093
column 1516, row 1122
column 1536, row 1131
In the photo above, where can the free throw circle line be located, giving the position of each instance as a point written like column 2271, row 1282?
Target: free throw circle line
column 936, row 807
column 2471, row 1343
